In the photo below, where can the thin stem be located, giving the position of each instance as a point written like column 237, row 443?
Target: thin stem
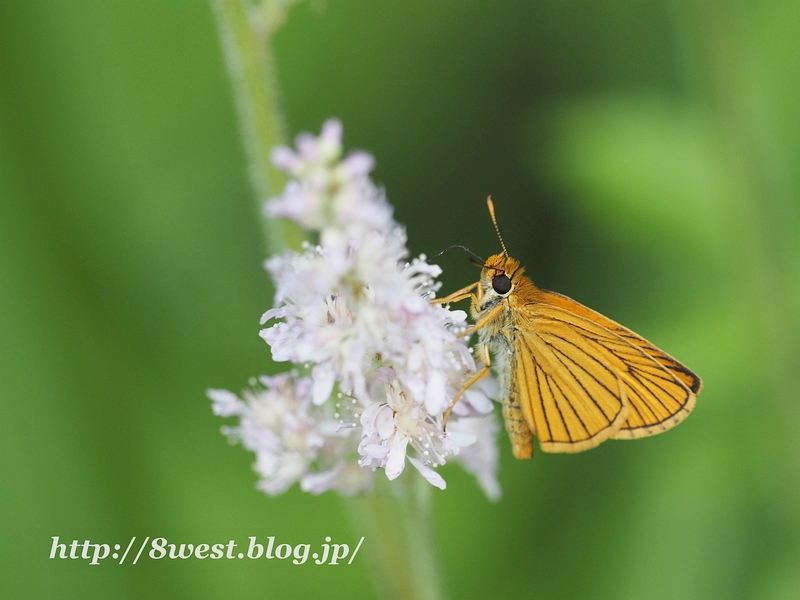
column 396, row 517
column 397, row 524
column 248, row 55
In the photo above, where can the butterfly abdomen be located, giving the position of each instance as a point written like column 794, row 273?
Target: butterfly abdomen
column 498, row 336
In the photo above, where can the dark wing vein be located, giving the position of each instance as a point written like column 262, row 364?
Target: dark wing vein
column 658, row 399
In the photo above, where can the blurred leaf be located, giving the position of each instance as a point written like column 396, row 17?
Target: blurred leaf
column 642, row 167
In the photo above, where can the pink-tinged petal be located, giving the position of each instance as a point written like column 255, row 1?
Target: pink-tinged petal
column 369, row 414
column 434, row 351
column 306, row 146
column 415, row 385
column 386, row 375
column 283, row 158
column 482, row 458
column 429, row 474
column 435, row 394
column 324, row 378
column 415, row 357
column 458, row 316
column 384, row 422
column 273, row 313
column 376, row 451
column 358, row 163
column 396, row 460
column 332, row 132
column 225, row 403
column 479, row 400
column 316, row 483
column 460, row 438
column 490, row 387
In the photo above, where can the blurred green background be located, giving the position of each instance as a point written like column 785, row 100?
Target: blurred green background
column 644, row 160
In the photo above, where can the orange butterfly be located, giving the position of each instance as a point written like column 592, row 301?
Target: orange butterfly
column 569, row 375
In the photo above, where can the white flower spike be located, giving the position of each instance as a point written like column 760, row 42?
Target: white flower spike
column 384, row 363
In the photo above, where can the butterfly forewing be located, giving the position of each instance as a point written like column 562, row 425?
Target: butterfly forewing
column 687, row 377
column 570, row 393
column 655, row 397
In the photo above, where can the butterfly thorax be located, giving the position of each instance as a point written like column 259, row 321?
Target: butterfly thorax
column 499, row 333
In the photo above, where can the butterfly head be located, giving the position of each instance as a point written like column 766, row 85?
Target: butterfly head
column 499, row 271
column 500, row 275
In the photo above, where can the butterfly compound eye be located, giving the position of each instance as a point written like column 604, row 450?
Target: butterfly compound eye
column 501, row 284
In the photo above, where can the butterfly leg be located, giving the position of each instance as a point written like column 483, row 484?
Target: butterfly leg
column 486, row 319
column 470, row 381
column 465, row 292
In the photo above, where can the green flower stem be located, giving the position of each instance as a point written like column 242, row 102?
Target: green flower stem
column 396, row 518
column 396, row 522
column 248, row 55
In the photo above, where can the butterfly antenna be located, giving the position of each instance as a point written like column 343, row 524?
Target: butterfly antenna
column 475, row 256
column 494, row 220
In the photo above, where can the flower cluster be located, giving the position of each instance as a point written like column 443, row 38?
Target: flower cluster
column 383, row 362
column 292, row 439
